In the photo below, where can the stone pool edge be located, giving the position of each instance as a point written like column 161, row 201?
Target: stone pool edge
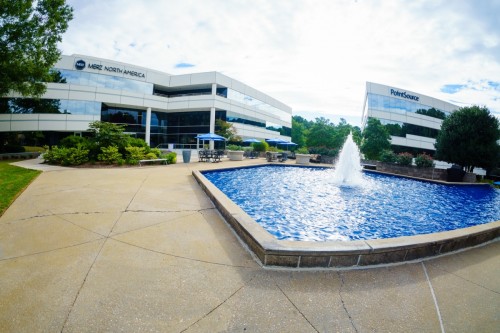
column 341, row 254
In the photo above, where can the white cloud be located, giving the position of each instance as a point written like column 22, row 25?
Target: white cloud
column 312, row 55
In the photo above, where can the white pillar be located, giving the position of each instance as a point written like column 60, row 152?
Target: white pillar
column 214, row 88
column 148, row 126
column 212, row 125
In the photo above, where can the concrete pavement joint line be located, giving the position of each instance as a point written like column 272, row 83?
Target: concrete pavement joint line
column 51, row 250
column 90, row 268
column 78, row 226
column 166, row 211
column 343, row 303
column 155, row 224
column 135, row 194
column 97, row 256
column 219, row 305
column 434, row 298
column 181, row 257
column 81, row 286
column 295, row 306
column 461, row 277
column 52, row 214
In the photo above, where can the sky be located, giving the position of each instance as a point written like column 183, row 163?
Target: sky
column 313, row 55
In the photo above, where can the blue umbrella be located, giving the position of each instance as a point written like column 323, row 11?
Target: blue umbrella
column 288, row 143
column 275, row 140
column 210, row 137
column 252, row 140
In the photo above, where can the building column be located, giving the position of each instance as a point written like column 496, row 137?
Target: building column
column 212, row 125
column 214, row 88
column 148, row 126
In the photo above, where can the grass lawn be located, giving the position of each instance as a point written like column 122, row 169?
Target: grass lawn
column 13, row 180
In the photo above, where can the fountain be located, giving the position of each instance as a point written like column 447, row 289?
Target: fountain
column 348, row 168
column 297, row 216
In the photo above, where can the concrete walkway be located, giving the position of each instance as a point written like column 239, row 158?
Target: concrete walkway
column 143, row 250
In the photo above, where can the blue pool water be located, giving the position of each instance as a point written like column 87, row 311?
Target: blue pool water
column 303, row 204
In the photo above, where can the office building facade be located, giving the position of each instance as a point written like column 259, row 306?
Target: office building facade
column 412, row 119
column 161, row 108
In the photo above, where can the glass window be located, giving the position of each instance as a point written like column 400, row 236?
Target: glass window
column 61, row 106
column 396, row 128
column 106, row 81
column 259, row 105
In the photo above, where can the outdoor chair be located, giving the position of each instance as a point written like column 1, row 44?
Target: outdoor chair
column 201, row 156
column 316, row 158
column 216, row 156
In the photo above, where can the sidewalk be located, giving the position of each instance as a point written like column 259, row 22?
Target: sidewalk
column 143, row 249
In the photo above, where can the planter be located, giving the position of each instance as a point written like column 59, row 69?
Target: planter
column 469, row 177
column 186, row 156
column 235, row 155
column 302, row 158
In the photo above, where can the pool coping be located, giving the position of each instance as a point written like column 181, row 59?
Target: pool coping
column 340, row 254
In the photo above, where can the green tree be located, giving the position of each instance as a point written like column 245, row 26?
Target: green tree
column 322, row 133
column 104, row 134
column 468, row 137
column 227, row 130
column 376, row 138
column 299, row 132
column 29, row 33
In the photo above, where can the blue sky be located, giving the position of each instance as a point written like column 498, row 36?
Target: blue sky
column 313, row 55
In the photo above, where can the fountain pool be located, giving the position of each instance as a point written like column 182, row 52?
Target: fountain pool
column 308, row 204
column 319, row 217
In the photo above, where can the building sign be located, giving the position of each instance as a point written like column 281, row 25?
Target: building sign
column 404, row 95
column 80, row 65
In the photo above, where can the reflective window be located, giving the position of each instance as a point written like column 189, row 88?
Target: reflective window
column 259, row 105
column 244, row 119
column 105, row 81
column 61, row 106
column 282, row 130
column 397, row 128
column 400, row 106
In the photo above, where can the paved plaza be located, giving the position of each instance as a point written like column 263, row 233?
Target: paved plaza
column 142, row 249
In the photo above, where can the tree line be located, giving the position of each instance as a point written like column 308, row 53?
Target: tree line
column 322, row 136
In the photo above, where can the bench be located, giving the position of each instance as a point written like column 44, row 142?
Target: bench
column 154, row 160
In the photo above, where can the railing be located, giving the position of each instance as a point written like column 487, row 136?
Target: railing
column 187, row 94
column 178, row 146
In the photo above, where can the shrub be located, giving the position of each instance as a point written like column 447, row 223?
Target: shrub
column 424, row 161
column 171, row 158
column 67, row 156
column 73, row 141
column 388, row 156
column 150, row 156
column 234, row 147
column 110, row 155
column 135, row 154
column 260, row 146
column 324, row 151
column 155, row 151
column 302, row 150
column 136, row 142
column 405, row 159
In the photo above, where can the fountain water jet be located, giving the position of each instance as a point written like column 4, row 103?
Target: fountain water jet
column 348, row 168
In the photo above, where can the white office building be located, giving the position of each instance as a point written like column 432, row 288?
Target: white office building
column 161, row 108
column 412, row 119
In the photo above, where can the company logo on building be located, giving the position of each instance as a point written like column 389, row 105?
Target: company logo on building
column 404, row 94
column 80, row 64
